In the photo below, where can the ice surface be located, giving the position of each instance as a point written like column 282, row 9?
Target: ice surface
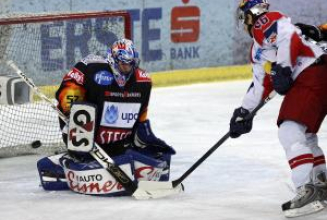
column 246, row 178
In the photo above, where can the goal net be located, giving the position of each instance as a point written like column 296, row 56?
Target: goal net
column 45, row 48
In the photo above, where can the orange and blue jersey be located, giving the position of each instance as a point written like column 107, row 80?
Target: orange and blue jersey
column 119, row 109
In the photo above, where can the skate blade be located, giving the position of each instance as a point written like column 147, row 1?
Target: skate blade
column 310, row 208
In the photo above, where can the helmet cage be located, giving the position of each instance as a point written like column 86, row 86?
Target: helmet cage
column 124, row 56
column 122, row 51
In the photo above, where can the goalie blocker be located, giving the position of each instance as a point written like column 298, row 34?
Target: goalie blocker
column 64, row 172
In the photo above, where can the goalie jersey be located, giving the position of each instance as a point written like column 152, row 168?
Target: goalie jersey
column 119, row 109
column 276, row 40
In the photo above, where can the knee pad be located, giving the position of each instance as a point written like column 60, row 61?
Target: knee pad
column 312, row 140
column 290, row 133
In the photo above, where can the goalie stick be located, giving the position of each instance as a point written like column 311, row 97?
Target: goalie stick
column 139, row 192
column 177, row 182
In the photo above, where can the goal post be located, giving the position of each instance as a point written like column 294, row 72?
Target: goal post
column 45, row 47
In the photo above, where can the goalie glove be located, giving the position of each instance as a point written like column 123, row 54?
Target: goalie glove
column 144, row 138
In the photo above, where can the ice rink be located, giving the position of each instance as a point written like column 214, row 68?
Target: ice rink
column 245, row 178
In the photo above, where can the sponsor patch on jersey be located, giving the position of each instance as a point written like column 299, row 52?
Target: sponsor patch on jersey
column 107, row 135
column 120, row 115
column 123, row 94
column 103, row 78
column 76, row 75
column 142, row 76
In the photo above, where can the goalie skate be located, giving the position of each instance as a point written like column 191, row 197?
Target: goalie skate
column 307, row 201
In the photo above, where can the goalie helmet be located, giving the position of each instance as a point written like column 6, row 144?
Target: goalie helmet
column 248, row 12
column 122, row 51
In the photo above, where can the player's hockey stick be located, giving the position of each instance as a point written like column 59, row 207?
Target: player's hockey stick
column 177, row 182
column 139, row 192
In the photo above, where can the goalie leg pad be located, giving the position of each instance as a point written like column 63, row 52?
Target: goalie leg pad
column 148, row 168
column 91, row 179
column 51, row 173
column 147, row 155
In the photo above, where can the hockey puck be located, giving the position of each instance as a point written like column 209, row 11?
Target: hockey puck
column 36, row 144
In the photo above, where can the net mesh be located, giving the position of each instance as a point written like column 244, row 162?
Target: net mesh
column 45, row 47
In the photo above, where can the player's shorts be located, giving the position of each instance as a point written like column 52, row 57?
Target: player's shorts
column 306, row 101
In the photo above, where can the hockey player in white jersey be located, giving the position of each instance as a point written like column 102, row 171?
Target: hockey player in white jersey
column 284, row 61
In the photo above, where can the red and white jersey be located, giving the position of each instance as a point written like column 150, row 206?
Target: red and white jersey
column 276, row 39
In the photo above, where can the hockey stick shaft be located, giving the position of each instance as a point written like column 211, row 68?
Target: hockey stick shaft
column 219, row 143
column 98, row 153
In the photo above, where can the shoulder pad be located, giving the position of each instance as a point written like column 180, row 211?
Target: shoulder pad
column 265, row 26
column 91, row 58
column 142, row 76
column 75, row 75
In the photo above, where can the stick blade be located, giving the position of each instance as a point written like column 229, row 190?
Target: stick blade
column 154, row 190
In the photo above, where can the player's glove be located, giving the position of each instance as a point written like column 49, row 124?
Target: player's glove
column 310, row 31
column 281, row 78
column 238, row 124
column 145, row 138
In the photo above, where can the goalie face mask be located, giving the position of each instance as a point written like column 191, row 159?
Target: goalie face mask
column 123, row 60
column 124, row 56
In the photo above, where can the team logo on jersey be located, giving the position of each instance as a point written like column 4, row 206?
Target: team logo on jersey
column 111, row 115
column 272, row 39
column 121, row 80
column 103, row 78
column 120, row 115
